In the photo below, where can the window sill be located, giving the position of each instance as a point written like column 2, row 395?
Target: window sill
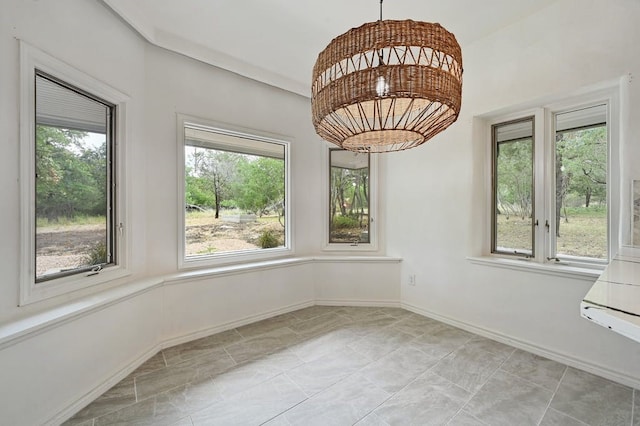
column 212, row 270
column 35, row 323
column 525, row 265
column 23, row 328
column 32, row 293
column 361, row 247
column 236, row 259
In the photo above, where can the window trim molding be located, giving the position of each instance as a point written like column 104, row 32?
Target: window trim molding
column 608, row 92
column 374, row 230
column 31, row 59
column 240, row 255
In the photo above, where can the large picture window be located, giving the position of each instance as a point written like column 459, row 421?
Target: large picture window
column 551, row 189
column 235, row 194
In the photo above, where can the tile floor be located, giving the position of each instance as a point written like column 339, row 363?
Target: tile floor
column 364, row 366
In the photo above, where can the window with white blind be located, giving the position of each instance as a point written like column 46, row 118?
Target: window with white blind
column 552, row 181
column 234, row 194
column 72, row 220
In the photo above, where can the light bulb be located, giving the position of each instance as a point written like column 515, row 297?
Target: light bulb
column 382, row 87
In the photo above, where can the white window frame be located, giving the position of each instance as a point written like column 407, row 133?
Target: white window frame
column 372, row 245
column 544, row 182
column 32, row 59
column 239, row 256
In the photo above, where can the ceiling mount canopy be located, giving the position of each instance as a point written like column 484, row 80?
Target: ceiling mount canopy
column 387, row 85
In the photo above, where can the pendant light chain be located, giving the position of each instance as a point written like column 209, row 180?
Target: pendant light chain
column 380, row 52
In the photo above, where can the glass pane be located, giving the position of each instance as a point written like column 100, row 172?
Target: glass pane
column 513, row 188
column 72, row 181
column 234, row 192
column 349, row 197
column 581, row 183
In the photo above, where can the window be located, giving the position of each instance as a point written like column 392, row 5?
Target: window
column 513, row 220
column 74, row 220
column 551, row 190
column 349, row 197
column 234, row 195
column 72, row 215
column 351, row 200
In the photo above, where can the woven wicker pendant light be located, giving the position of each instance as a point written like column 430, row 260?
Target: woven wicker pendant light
column 387, row 85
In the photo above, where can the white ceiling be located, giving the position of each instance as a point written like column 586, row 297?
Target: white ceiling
column 278, row 41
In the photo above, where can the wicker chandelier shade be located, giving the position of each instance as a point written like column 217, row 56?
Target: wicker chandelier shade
column 387, row 86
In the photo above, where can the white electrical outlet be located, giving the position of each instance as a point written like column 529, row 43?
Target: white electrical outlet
column 412, row 279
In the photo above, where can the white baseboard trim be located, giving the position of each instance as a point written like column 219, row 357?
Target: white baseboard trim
column 77, row 405
column 569, row 360
column 169, row 342
column 359, row 302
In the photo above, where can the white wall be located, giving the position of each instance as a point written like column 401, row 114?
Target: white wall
column 46, row 375
column 175, row 84
column 568, row 46
column 90, row 40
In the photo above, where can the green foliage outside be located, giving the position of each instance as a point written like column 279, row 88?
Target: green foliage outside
column 97, row 255
column 226, row 180
column 580, row 193
column 71, row 176
column 268, row 239
column 199, row 192
column 514, row 171
column 342, row 222
column 260, row 186
column 349, row 204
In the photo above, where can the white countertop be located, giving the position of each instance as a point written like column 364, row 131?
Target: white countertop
column 614, row 299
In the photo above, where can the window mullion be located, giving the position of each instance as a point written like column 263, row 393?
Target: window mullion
column 545, row 182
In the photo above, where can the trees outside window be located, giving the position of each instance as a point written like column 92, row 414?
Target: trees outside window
column 565, row 173
column 235, row 188
column 74, row 222
column 349, row 197
column 73, row 213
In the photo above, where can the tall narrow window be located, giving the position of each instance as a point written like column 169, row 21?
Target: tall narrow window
column 581, row 183
column 74, row 169
column 513, row 188
column 349, row 195
column 235, row 192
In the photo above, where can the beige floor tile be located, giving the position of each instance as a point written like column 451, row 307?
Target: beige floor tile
column 592, row 399
column 507, row 400
column 254, row 406
column 429, row 400
column 185, row 351
column 536, row 369
column 353, row 365
column 342, row 404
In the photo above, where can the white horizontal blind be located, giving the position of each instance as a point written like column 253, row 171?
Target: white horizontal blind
column 58, row 106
